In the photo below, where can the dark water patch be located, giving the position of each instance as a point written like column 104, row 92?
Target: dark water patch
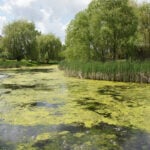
column 4, row 91
column 72, row 128
column 35, row 70
column 60, row 141
column 49, row 105
column 48, row 79
column 124, row 87
column 101, row 136
column 42, row 143
column 18, row 133
column 115, row 92
column 127, row 137
column 109, row 90
column 90, row 104
column 40, row 87
column 18, row 86
column 41, row 104
column 6, row 146
column 86, row 100
column 105, row 114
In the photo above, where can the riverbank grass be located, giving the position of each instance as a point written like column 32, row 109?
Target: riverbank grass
column 23, row 63
column 125, row 71
column 16, row 64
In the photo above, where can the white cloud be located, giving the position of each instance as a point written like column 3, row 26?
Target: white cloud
column 22, row 3
column 49, row 15
column 5, row 8
column 3, row 21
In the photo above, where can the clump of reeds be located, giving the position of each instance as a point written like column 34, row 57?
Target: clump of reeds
column 125, row 71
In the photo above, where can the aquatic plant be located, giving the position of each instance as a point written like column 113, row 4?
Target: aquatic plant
column 40, row 108
column 125, row 71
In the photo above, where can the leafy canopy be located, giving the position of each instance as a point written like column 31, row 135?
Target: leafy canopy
column 49, row 47
column 20, row 40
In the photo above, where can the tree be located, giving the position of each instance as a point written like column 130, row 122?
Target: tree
column 103, row 31
column 20, row 40
column 144, row 23
column 49, row 47
column 78, row 38
column 113, row 24
column 141, row 48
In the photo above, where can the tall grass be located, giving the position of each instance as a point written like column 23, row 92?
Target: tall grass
column 125, row 71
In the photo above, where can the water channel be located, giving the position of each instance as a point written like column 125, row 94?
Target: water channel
column 43, row 109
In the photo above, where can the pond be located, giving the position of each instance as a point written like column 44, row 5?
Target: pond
column 43, row 109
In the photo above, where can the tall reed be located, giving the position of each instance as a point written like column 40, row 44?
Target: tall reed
column 125, row 71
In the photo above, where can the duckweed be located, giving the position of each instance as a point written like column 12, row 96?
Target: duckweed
column 41, row 108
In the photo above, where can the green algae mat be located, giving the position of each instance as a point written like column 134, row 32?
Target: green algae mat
column 42, row 109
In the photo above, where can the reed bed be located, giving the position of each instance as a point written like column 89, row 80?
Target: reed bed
column 124, row 71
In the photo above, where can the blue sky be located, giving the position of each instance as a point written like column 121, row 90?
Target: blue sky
column 50, row 16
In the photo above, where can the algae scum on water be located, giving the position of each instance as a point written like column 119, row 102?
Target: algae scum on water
column 41, row 109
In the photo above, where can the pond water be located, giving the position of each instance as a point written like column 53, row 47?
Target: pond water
column 42, row 109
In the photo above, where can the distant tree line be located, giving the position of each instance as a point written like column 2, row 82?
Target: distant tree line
column 109, row 30
column 106, row 30
column 22, row 41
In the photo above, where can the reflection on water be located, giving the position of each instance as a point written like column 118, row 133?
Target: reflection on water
column 41, row 109
column 74, row 136
column 3, row 76
column 41, row 104
column 35, row 70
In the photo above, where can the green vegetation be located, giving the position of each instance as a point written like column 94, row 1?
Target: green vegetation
column 49, row 47
column 17, row 64
column 41, row 109
column 22, row 41
column 113, row 71
column 109, row 30
column 105, row 33
column 50, row 110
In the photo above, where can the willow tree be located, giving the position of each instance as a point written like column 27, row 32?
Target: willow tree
column 112, row 25
column 20, row 40
column 49, row 47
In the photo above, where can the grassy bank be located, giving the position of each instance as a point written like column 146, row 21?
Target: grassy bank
column 112, row 71
column 16, row 64
column 22, row 63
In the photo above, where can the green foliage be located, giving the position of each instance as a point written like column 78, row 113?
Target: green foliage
column 49, row 47
column 113, row 24
column 144, row 25
column 78, row 39
column 20, row 40
column 143, row 34
column 16, row 64
column 103, row 31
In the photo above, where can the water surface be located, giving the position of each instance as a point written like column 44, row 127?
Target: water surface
column 42, row 109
